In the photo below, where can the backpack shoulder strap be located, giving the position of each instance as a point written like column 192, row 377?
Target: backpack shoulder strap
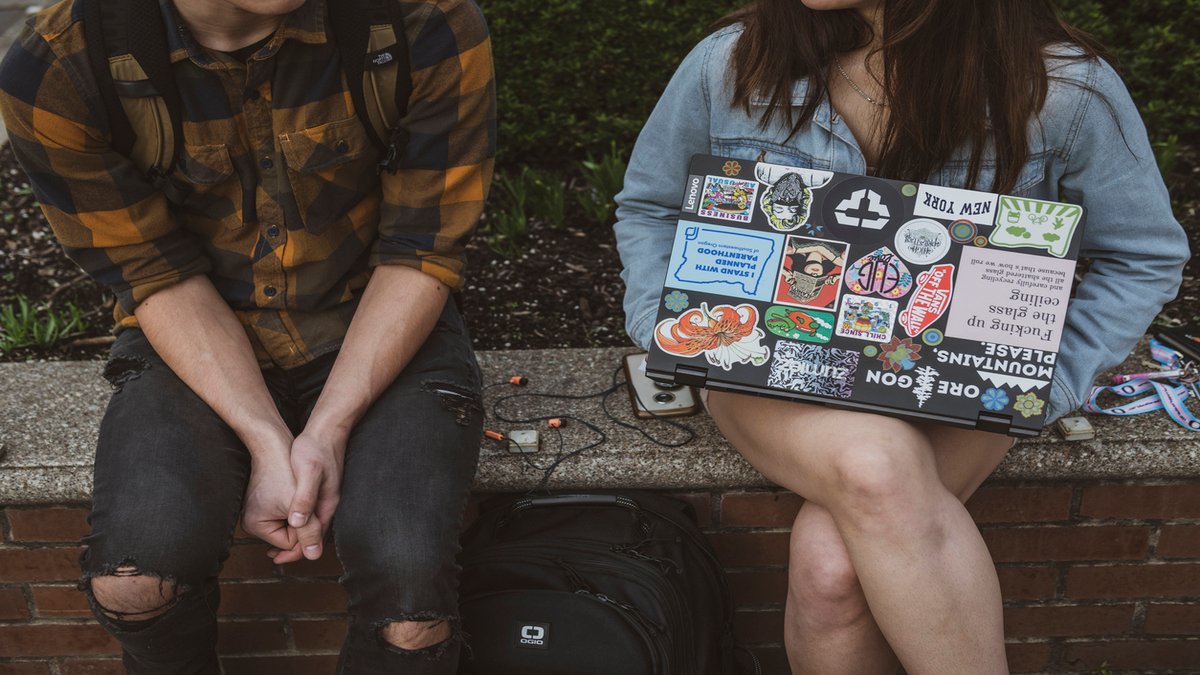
column 127, row 49
column 374, row 48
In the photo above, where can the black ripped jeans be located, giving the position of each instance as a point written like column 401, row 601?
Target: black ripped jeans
column 170, row 478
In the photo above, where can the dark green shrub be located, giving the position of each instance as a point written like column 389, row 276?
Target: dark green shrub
column 574, row 76
column 1156, row 44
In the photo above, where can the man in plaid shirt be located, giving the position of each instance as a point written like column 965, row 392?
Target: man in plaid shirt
column 285, row 344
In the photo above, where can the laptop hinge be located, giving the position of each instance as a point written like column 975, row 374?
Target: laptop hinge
column 691, row 376
column 991, row 422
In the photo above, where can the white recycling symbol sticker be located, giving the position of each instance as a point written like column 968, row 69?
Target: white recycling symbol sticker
column 863, row 208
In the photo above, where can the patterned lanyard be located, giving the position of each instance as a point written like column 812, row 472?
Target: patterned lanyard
column 1181, row 382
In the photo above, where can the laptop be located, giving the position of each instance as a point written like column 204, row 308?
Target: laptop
column 906, row 299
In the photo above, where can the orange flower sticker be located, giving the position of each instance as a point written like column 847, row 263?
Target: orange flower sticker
column 724, row 334
column 732, row 168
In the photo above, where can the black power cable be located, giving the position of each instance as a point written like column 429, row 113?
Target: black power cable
column 562, row 455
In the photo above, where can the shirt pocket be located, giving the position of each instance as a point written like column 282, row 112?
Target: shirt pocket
column 1033, row 173
column 214, row 194
column 330, row 168
column 758, row 150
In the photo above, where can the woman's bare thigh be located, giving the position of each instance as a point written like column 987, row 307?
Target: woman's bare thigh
column 795, row 445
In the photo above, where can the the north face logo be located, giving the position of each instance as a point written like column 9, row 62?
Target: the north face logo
column 382, row 59
column 533, row 635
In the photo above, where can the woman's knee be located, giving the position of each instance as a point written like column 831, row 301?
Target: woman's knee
column 823, row 585
column 888, row 479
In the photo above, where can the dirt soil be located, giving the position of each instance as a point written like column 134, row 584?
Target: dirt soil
column 564, row 291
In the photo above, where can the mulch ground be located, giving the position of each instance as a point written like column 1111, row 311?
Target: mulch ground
column 563, row 291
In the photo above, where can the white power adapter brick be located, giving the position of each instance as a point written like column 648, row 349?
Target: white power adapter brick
column 523, row 441
column 1076, row 429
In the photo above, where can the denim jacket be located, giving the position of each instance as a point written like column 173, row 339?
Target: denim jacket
column 1087, row 146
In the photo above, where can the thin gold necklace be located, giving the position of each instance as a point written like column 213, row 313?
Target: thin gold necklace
column 838, row 62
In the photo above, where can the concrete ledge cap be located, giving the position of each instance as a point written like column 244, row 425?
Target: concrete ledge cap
column 50, row 415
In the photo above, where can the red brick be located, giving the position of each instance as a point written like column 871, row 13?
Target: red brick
column 1012, row 504
column 60, row 602
column 39, row 564
column 1133, row 581
column 757, row 628
column 251, row 637
column 737, row 549
column 1173, row 620
column 51, row 525
column 318, row 634
column 759, row 509
column 1028, row 657
column 81, row 639
column 325, row 566
column 701, row 503
column 1034, row 544
column 1179, row 541
column 1141, row 501
column 25, row 668
column 12, row 604
column 92, row 667
column 1135, row 654
column 282, row 598
column 280, row 665
column 1027, row 583
column 765, row 587
column 248, row 561
column 1072, row 621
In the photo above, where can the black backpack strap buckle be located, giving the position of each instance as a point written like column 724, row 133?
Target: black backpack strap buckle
column 397, row 142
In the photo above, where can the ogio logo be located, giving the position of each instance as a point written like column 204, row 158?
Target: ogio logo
column 533, row 635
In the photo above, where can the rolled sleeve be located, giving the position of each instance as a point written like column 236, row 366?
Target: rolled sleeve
column 1137, row 247
column 432, row 204
column 107, row 217
column 648, row 205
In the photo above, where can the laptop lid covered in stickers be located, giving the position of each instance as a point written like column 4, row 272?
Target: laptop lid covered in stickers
column 913, row 300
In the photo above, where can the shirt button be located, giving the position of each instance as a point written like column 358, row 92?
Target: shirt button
column 252, row 95
column 272, row 231
column 266, row 162
column 269, row 291
column 342, row 147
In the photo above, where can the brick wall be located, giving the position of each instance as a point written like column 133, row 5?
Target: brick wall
column 1092, row 574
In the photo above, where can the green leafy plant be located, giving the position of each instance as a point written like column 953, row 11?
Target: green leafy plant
column 24, row 325
column 1166, row 152
column 507, row 222
column 602, row 179
column 547, row 196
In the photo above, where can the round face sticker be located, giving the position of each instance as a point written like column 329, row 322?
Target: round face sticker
column 922, row 241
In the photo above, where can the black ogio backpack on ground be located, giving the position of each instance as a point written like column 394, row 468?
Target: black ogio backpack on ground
column 595, row 584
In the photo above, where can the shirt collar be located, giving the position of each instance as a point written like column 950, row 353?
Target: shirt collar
column 305, row 24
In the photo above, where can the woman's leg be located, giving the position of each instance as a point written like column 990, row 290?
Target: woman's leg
column 892, row 493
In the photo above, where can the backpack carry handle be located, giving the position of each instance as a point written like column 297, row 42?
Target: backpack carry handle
column 574, row 500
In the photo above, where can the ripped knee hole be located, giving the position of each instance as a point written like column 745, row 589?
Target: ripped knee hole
column 423, row 634
column 128, row 594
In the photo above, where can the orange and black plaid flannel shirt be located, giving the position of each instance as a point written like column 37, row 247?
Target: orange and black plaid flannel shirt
column 286, row 213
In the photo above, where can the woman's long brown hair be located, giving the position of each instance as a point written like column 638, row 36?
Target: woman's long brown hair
column 956, row 73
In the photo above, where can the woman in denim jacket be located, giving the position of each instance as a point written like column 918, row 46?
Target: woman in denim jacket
column 886, row 566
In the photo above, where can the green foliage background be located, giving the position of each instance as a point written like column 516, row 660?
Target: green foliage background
column 576, row 75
